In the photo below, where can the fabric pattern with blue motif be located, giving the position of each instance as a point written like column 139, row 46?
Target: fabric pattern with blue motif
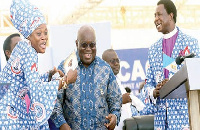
column 93, row 96
column 25, row 16
column 169, row 113
column 26, row 84
column 149, row 106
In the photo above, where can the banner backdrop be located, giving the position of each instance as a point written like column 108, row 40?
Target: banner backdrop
column 133, row 67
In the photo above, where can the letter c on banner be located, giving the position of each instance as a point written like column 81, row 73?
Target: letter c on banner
column 126, row 77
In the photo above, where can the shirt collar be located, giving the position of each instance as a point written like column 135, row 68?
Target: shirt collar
column 172, row 33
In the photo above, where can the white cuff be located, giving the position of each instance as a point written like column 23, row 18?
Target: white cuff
column 137, row 103
column 151, row 96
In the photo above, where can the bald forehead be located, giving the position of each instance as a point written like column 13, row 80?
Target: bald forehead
column 109, row 54
column 84, row 31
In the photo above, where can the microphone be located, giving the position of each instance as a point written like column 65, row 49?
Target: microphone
column 180, row 59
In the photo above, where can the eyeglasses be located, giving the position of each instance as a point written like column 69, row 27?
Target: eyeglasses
column 91, row 45
column 114, row 61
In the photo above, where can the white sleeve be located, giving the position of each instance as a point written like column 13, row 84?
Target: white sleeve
column 151, row 96
column 137, row 103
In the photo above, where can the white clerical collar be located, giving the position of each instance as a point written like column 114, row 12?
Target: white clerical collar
column 172, row 33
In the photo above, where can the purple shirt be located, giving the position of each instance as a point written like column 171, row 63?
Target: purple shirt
column 168, row 45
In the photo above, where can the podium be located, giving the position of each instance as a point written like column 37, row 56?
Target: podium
column 186, row 84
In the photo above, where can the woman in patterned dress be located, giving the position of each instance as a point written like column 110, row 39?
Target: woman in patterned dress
column 29, row 100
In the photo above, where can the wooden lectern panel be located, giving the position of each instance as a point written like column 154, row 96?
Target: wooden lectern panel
column 194, row 109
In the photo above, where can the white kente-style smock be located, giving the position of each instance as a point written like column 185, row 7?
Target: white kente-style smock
column 169, row 113
column 30, row 99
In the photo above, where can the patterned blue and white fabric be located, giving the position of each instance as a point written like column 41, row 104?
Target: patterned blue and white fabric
column 169, row 113
column 90, row 99
column 25, row 16
column 149, row 106
column 21, row 71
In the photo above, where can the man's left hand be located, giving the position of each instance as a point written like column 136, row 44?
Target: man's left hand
column 126, row 98
column 112, row 122
column 53, row 71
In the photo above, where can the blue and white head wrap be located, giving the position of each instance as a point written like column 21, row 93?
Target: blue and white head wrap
column 25, row 16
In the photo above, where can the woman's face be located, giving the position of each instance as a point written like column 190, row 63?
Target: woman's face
column 39, row 38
